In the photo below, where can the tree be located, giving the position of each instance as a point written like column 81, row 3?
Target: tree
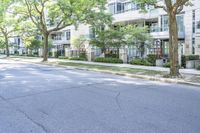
column 79, row 43
column 50, row 15
column 117, row 37
column 172, row 8
column 2, row 43
column 8, row 23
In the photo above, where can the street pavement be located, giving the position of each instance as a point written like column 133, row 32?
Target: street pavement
column 45, row 99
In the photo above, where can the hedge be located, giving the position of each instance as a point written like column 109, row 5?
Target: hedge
column 63, row 57
column 192, row 57
column 108, row 60
column 198, row 68
column 143, row 62
column 185, row 58
column 78, row 58
column 151, row 58
column 167, row 65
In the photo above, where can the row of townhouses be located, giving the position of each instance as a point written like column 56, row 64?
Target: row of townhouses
column 127, row 12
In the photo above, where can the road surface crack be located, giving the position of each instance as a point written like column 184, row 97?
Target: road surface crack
column 119, row 105
column 33, row 121
column 26, row 115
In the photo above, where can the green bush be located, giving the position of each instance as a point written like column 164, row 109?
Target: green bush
column 198, row 68
column 63, row 57
column 143, row 62
column 151, row 58
column 83, row 55
column 192, row 57
column 78, row 58
column 111, row 55
column 183, row 61
column 50, row 54
column 108, row 60
column 185, row 58
column 167, row 65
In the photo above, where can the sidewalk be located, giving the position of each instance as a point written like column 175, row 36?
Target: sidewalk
column 153, row 68
column 162, row 69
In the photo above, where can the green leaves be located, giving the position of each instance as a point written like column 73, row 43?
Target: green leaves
column 119, row 36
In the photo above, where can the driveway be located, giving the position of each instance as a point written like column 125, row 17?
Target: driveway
column 43, row 99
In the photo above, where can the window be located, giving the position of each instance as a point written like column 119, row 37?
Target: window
column 92, row 34
column 193, row 15
column 193, row 45
column 198, row 25
column 180, row 23
column 119, row 7
column 111, row 8
column 57, row 36
column 193, row 27
column 68, row 35
column 165, row 21
column 193, row 23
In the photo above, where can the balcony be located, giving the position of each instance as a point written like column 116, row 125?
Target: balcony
column 60, row 42
column 134, row 15
column 163, row 33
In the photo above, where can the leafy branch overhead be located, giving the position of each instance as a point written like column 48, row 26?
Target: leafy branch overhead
column 168, row 5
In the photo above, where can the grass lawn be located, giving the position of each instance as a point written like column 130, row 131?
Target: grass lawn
column 120, row 70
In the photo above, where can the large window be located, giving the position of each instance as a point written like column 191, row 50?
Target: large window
column 120, row 7
column 92, row 34
column 193, row 45
column 68, row 35
column 111, row 8
column 57, row 36
column 198, row 25
column 165, row 22
column 193, row 21
column 180, row 23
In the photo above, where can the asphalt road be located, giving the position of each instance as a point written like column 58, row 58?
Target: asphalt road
column 44, row 99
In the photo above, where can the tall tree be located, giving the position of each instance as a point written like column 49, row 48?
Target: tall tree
column 172, row 8
column 53, row 15
column 117, row 37
column 8, row 23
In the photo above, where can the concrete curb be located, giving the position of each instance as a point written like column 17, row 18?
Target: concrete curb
column 152, row 78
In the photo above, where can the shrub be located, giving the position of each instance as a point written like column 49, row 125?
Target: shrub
column 50, row 54
column 83, row 55
column 183, row 61
column 78, row 58
column 192, row 57
column 108, row 60
column 63, row 57
column 111, row 55
column 140, row 62
column 151, row 58
column 198, row 68
column 167, row 65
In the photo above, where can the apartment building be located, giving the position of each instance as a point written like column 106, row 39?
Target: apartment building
column 16, row 46
column 127, row 12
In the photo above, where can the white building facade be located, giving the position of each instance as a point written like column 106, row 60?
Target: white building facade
column 126, row 12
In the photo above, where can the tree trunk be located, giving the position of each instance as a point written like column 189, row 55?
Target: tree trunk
column 46, row 48
column 7, row 47
column 173, row 46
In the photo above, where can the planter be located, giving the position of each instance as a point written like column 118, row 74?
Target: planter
column 196, row 63
column 159, row 62
column 190, row 64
